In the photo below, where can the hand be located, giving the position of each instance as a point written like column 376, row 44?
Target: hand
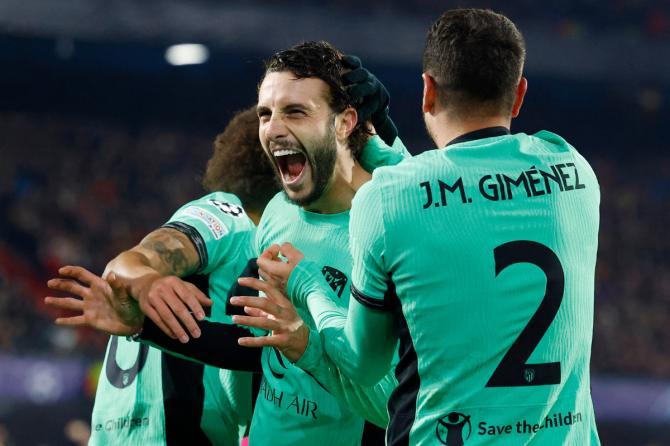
column 274, row 270
column 370, row 97
column 170, row 302
column 275, row 313
column 103, row 307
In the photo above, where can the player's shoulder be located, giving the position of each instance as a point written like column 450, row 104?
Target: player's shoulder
column 217, row 206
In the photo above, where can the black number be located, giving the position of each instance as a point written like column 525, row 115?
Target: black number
column 513, row 370
column 122, row 378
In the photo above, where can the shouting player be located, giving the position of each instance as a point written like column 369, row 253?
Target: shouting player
column 146, row 397
column 478, row 257
column 311, row 132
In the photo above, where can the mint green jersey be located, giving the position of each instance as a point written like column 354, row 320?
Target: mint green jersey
column 293, row 408
column 486, row 253
column 150, row 398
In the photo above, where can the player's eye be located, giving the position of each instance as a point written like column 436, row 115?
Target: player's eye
column 295, row 112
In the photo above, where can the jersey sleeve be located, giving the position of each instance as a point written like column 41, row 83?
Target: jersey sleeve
column 358, row 340
column 367, row 401
column 369, row 278
column 209, row 223
column 377, row 153
column 217, row 346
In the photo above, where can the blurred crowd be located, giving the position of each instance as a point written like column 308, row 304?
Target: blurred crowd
column 77, row 191
column 570, row 17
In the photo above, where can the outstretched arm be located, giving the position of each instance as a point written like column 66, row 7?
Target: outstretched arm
column 103, row 305
column 149, row 273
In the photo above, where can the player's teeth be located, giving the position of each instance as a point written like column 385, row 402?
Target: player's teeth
column 285, row 152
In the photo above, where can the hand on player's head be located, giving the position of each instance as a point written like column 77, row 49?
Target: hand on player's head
column 172, row 304
column 98, row 305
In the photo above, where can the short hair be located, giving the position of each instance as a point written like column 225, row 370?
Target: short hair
column 239, row 164
column 322, row 61
column 476, row 57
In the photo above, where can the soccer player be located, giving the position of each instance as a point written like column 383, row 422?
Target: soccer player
column 312, row 134
column 478, row 257
column 144, row 396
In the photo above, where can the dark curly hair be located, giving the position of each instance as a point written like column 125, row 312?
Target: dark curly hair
column 322, row 61
column 476, row 57
column 239, row 164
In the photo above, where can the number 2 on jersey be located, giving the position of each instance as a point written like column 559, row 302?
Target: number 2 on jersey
column 513, row 370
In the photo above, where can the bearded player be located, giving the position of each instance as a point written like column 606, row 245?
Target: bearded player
column 479, row 257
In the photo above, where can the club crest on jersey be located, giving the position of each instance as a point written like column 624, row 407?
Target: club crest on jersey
column 335, row 278
column 453, row 429
column 529, row 375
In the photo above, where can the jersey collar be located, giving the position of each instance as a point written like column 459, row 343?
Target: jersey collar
column 488, row 132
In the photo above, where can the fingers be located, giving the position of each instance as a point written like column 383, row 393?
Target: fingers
column 271, row 253
column 351, row 61
column 257, row 322
column 167, row 318
column 292, row 254
column 68, row 286
column 259, row 341
column 74, row 321
column 363, row 90
column 255, row 312
column 151, row 313
column 81, row 274
column 65, row 303
column 260, row 303
column 356, row 76
column 192, row 297
column 184, row 316
column 200, row 297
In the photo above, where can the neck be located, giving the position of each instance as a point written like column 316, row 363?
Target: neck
column 254, row 215
column 347, row 179
column 449, row 127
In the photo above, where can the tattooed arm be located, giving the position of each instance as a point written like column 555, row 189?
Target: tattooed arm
column 150, row 273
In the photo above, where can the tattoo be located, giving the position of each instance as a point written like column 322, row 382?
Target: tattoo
column 172, row 249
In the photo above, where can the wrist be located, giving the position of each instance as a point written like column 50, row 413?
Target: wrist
column 313, row 352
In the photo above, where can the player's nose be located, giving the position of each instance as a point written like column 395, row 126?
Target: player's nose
column 275, row 129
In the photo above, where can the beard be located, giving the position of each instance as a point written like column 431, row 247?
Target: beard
column 322, row 158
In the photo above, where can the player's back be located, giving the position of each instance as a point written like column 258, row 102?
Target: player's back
column 491, row 245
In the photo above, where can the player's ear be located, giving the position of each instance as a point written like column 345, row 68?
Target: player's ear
column 345, row 123
column 519, row 95
column 429, row 93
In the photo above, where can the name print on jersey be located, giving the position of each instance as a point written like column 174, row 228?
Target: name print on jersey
column 301, row 406
column 533, row 182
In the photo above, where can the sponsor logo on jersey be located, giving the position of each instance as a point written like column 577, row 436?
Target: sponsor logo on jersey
column 280, row 365
column 335, row 278
column 213, row 223
column 227, row 208
column 117, row 424
column 453, row 429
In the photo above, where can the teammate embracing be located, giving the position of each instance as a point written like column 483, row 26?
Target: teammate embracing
column 479, row 257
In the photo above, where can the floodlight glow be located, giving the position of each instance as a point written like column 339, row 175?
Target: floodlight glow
column 187, row 54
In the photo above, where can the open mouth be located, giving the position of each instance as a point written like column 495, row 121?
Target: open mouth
column 291, row 164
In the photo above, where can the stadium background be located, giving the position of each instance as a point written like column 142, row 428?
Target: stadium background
column 101, row 139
